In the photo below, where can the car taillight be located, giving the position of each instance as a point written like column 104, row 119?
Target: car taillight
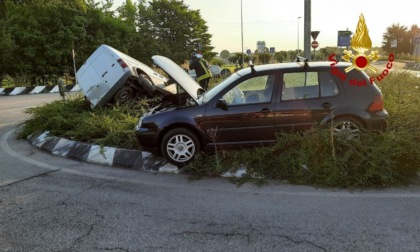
column 377, row 104
column 122, row 63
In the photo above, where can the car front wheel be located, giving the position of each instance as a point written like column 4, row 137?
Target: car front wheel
column 179, row 146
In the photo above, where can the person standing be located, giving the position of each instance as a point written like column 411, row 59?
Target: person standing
column 201, row 67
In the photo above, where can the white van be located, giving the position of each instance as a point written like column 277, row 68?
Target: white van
column 110, row 76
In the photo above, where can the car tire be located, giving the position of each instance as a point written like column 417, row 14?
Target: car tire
column 347, row 127
column 225, row 72
column 179, row 146
column 123, row 95
column 146, row 84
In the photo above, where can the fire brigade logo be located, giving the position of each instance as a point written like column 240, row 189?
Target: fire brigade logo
column 361, row 43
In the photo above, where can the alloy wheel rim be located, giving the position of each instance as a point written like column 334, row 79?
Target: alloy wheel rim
column 348, row 129
column 180, row 148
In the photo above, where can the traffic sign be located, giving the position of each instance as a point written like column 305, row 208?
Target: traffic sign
column 345, row 33
column 261, row 46
column 344, row 38
column 314, row 44
column 314, row 34
column 394, row 43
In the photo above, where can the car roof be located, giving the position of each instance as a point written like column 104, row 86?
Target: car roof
column 293, row 65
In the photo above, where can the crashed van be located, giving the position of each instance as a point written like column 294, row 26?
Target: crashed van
column 111, row 77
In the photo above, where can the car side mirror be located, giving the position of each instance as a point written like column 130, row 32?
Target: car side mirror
column 222, row 104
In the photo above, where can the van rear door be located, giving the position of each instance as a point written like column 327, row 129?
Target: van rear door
column 100, row 73
column 108, row 68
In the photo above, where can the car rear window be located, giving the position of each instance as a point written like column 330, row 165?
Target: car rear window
column 308, row 85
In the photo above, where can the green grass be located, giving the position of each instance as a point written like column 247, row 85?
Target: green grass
column 376, row 159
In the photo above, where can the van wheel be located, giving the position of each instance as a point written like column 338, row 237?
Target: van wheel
column 179, row 146
column 123, row 95
column 145, row 83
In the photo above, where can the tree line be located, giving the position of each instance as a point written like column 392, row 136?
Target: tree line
column 396, row 32
column 402, row 35
column 37, row 37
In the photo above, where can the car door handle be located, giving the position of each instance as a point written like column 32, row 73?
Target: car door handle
column 326, row 105
column 104, row 74
column 266, row 110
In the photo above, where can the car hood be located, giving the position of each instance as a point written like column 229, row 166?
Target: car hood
column 179, row 75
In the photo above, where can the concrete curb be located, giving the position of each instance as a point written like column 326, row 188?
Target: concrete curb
column 18, row 90
column 37, row 90
column 90, row 153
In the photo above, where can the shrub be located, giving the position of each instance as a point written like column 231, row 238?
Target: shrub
column 73, row 119
column 401, row 93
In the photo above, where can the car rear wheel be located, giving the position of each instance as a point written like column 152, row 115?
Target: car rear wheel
column 123, row 95
column 347, row 127
column 179, row 146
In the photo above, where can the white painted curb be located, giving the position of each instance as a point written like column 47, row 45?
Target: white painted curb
column 37, row 89
column 55, row 90
column 17, row 90
column 76, row 88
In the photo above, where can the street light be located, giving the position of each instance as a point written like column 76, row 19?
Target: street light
column 242, row 37
column 298, row 35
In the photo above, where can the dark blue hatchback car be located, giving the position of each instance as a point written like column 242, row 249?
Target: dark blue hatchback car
column 253, row 104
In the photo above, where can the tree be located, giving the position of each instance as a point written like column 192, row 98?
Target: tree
column 327, row 51
column 413, row 32
column 292, row 55
column 128, row 14
column 264, row 58
column 280, row 56
column 103, row 27
column 236, row 58
column 43, row 35
column 398, row 33
column 6, row 49
column 174, row 26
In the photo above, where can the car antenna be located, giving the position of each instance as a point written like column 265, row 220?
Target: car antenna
column 303, row 59
column 252, row 67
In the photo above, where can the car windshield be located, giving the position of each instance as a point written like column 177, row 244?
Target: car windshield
column 215, row 90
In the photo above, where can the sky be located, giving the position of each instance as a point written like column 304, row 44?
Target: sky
column 276, row 21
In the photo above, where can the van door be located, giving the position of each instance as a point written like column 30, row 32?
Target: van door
column 109, row 70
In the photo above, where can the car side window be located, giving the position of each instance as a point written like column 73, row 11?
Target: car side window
column 307, row 85
column 258, row 89
column 328, row 84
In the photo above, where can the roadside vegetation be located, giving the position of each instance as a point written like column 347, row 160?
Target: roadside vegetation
column 317, row 157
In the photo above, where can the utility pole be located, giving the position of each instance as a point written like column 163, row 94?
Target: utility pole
column 307, row 30
column 298, row 35
column 242, row 37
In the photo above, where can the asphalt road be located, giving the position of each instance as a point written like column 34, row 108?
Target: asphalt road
column 48, row 203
